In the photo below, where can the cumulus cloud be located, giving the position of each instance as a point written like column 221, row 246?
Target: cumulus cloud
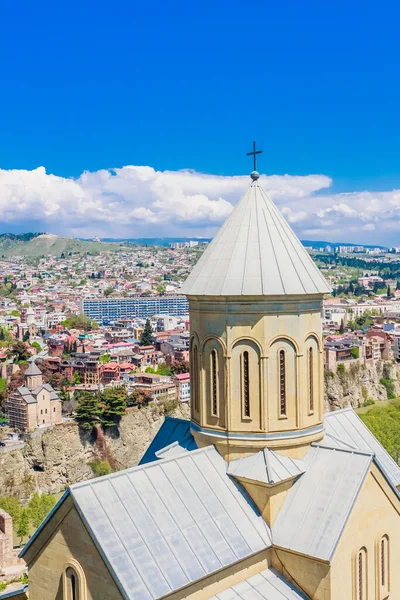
column 138, row 201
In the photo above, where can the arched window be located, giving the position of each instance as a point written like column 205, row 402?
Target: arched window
column 214, row 383
column 384, row 567
column 195, row 379
column 361, row 574
column 310, row 381
column 282, row 383
column 245, row 384
column 74, row 583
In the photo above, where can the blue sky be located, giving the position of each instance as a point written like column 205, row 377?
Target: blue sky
column 189, row 85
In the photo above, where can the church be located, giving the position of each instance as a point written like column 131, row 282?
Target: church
column 261, row 495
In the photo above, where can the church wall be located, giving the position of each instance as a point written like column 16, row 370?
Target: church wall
column 56, row 415
column 69, row 541
column 375, row 514
column 309, row 575
column 217, row 582
column 43, row 405
column 261, row 327
column 32, row 416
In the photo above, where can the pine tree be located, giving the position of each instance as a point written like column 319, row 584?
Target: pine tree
column 147, row 335
column 388, row 293
column 113, row 405
column 88, row 411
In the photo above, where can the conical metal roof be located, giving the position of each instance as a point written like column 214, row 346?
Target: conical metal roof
column 255, row 253
column 33, row 369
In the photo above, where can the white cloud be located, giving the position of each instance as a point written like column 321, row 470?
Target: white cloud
column 136, row 201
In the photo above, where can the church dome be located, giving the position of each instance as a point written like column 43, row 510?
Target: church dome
column 255, row 253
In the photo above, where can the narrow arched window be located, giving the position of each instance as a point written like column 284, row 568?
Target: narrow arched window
column 245, row 384
column 196, row 379
column 214, row 386
column 72, row 587
column 311, row 381
column 282, row 383
column 361, row 579
column 384, row 566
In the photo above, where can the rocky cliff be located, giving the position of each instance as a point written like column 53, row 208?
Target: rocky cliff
column 61, row 456
column 360, row 384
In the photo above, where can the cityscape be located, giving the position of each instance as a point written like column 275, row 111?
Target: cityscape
column 200, row 301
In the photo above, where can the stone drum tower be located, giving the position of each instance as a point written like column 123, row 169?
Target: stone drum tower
column 255, row 301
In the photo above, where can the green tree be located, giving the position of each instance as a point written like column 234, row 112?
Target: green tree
column 104, row 359
column 12, row 506
column 355, row 352
column 147, row 335
column 388, row 293
column 23, row 523
column 36, row 345
column 26, row 336
column 88, row 413
column 164, row 369
column 113, row 405
column 77, row 378
column 108, row 291
column 19, row 351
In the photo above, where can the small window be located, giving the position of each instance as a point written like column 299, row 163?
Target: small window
column 282, row 383
column 361, row 575
column 46, row 411
column 41, row 412
column 196, row 379
column 311, row 380
column 72, row 585
column 384, row 567
column 214, row 385
column 54, row 409
column 245, row 384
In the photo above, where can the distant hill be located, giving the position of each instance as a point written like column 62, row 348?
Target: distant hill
column 36, row 245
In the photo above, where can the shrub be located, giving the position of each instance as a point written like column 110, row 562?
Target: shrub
column 340, row 369
column 100, row 467
column 355, row 352
column 389, row 385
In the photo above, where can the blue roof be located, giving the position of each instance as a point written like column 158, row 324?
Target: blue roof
column 172, row 430
column 14, row 593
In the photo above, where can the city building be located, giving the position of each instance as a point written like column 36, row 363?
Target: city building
column 182, row 382
column 34, row 404
column 260, row 495
column 136, row 307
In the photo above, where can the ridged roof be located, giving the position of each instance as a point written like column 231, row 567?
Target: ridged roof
column 267, row 467
column 255, row 253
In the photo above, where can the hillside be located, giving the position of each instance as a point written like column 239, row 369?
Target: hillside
column 44, row 244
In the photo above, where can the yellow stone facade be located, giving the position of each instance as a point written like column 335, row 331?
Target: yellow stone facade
column 223, row 330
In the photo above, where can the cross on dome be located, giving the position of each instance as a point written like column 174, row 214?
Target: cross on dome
column 254, row 175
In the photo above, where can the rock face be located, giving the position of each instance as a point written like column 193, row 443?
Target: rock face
column 62, row 455
column 360, row 384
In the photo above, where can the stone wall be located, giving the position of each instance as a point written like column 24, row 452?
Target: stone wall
column 358, row 384
column 61, row 456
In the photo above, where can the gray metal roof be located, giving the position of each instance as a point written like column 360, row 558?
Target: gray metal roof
column 172, row 430
column 267, row 467
column 171, row 451
column 23, row 390
column 344, row 429
column 254, row 253
column 33, row 369
column 166, row 524
column 267, row 585
column 317, row 506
